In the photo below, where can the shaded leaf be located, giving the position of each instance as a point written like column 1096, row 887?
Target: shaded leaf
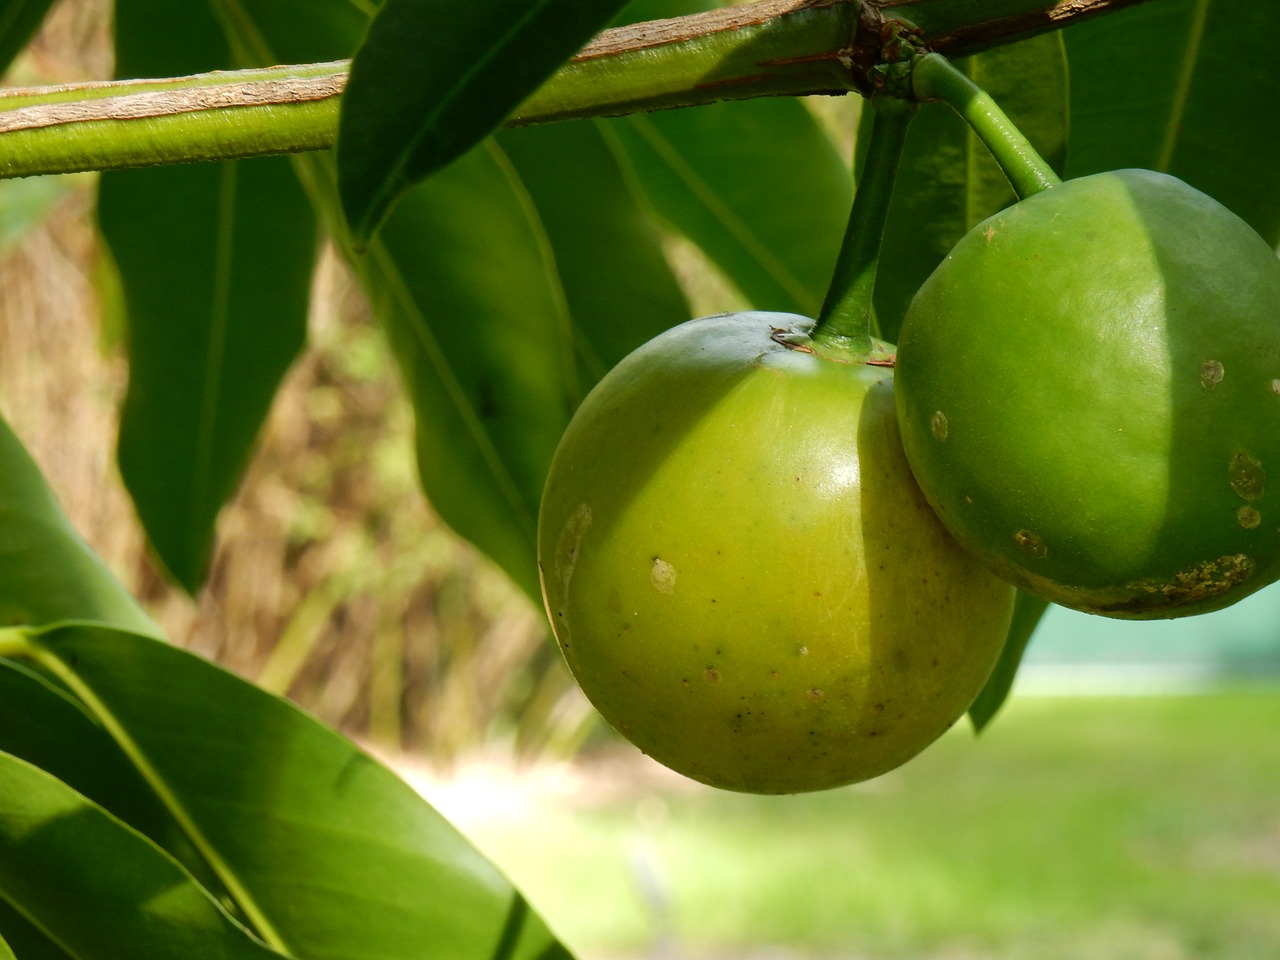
column 948, row 182
column 1196, row 98
column 19, row 19
column 1027, row 611
column 462, row 281
column 99, row 888
column 215, row 263
column 327, row 852
column 756, row 184
column 619, row 288
column 25, row 940
column 47, row 572
column 432, row 79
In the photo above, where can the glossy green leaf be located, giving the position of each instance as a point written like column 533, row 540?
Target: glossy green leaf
column 618, row 285
column 215, row 262
column 47, row 572
column 99, row 888
column 1027, row 611
column 948, row 182
column 1187, row 87
column 462, row 279
column 43, row 724
column 326, row 851
column 433, row 78
column 19, row 19
column 756, row 184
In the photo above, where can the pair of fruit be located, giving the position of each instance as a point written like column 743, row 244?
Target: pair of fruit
column 747, row 573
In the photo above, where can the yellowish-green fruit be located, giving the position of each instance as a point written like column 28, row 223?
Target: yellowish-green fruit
column 1089, row 394
column 743, row 575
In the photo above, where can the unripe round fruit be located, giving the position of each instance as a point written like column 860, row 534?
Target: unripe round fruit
column 1089, row 393
column 743, row 575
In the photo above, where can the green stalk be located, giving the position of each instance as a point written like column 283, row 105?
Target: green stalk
column 763, row 48
column 934, row 77
column 846, row 315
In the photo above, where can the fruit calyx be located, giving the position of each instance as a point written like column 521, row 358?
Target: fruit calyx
column 837, row 348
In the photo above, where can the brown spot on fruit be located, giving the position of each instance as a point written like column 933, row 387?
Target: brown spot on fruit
column 1031, row 543
column 1246, row 476
column 1248, row 517
column 1211, row 374
column 938, row 423
column 1192, row 585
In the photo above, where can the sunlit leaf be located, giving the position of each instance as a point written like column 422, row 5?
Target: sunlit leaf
column 433, row 78
column 1194, row 97
column 326, row 851
column 99, row 888
column 42, row 723
column 947, row 181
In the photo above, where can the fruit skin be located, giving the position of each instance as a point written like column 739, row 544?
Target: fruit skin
column 1089, row 394
column 741, row 572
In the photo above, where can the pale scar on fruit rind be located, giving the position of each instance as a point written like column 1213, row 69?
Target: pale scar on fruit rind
column 571, row 535
column 663, row 576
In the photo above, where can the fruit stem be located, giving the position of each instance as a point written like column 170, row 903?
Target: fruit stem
column 846, row 315
column 934, row 77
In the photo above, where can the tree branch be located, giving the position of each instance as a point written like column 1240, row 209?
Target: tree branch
column 767, row 48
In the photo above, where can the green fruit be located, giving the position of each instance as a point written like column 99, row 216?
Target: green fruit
column 741, row 572
column 1089, row 394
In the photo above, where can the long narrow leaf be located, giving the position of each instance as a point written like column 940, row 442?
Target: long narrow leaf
column 327, row 852
column 99, row 889
column 215, row 263
column 434, row 78
column 1196, row 97
column 462, row 279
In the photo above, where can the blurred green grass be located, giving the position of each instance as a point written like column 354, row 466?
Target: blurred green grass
column 1140, row 828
